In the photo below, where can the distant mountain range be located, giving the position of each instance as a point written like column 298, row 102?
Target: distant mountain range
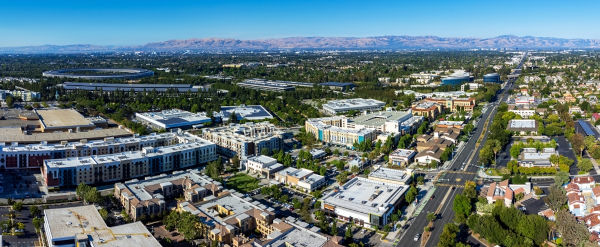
column 325, row 43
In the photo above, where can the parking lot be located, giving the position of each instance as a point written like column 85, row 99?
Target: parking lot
column 18, row 185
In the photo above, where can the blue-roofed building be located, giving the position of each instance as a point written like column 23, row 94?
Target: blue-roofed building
column 340, row 86
column 457, row 78
column 491, row 78
column 586, row 128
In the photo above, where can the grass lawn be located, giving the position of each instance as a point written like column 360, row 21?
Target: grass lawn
column 243, row 182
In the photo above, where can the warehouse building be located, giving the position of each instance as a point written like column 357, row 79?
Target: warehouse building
column 175, row 118
column 365, row 202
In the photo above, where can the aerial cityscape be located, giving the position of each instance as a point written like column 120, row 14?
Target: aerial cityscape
column 299, row 124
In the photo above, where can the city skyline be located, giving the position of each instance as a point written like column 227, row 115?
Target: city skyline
column 135, row 23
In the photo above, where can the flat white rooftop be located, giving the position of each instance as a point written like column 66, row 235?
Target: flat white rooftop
column 522, row 124
column 174, row 118
column 86, row 222
column 366, row 196
column 394, row 175
column 353, row 104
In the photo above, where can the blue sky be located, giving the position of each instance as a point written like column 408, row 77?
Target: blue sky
column 107, row 22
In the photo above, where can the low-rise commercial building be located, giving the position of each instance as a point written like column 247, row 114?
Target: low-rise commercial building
column 358, row 104
column 150, row 197
column 63, row 120
column 530, row 157
column 175, row 118
column 365, row 202
column 245, row 140
column 402, row 157
column 123, row 166
column 83, row 226
column 389, row 175
column 303, row 179
column 523, row 126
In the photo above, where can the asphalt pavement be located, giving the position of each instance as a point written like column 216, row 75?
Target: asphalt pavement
column 453, row 180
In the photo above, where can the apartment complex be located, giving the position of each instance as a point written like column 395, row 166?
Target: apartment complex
column 245, row 140
column 429, row 110
column 32, row 156
column 149, row 161
column 151, row 196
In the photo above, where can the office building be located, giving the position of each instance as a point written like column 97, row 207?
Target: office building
column 302, row 179
column 457, row 78
column 297, row 235
column 335, row 130
column 175, row 118
column 491, row 78
column 247, row 112
column 150, row 196
column 454, row 104
column 273, row 85
column 365, row 202
column 24, row 95
column 339, row 86
column 382, row 121
column 245, row 140
column 334, row 107
column 83, row 226
column 123, row 166
column 110, row 88
column 524, row 113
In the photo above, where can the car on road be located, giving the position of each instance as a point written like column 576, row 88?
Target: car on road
column 416, row 238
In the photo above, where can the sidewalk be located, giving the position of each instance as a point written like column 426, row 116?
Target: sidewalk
column 593, row 162
column 412, row 211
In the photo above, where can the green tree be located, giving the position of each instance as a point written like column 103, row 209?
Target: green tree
column 411, row 194
column 34, row 211
column 585, row 165
column 448, row 237
column 103, row 213
column 462, row 207
column 556, row 197
column 561, row 178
